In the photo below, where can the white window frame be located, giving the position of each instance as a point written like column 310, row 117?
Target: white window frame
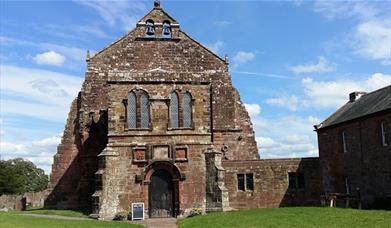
column 347, row 186
column 344, row 142
column 383, row 134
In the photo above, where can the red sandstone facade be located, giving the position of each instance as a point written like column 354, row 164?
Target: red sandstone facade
column 158, row 121
column 355, row 149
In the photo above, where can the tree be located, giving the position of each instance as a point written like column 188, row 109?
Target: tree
column 18, row 176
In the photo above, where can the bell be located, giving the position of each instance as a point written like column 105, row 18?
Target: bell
column 150, row 31
column 166, row 29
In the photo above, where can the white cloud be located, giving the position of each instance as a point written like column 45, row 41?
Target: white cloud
column 73, row 53
column 37, row 93
column 371, row 36
column 322, row 66
column 50, row 58
column 124, row 13
column 243, row 57
column 333, row 94
column 253, row 109
column 40, row 152
column 222, row 23
column 287, row 136
column 373, row 40
column 290, row 102
column 262, row 74
column 216, row 47
column 51, row 141
column 345, row 9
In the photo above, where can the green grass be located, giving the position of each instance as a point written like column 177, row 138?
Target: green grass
column 291, row 217
column 69, row 213
column 16, row 220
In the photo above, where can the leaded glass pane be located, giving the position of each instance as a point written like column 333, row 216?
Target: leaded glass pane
column 174, row 108
column 240, row 182
column 187, row 110
column 144, row 102
column 132, row 110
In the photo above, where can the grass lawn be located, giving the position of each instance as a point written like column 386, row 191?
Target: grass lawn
column 291, row 217
column 16, row 220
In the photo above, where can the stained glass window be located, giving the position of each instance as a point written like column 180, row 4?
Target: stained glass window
column 144, row 103
column 240, row 178
column 187, row 110
column 174, row 110
column 132, row 116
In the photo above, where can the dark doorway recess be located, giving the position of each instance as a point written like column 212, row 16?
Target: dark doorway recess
column 161, row 195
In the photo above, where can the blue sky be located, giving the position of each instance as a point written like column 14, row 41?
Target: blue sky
column 293, row 62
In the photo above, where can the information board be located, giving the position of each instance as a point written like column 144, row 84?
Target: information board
column 137, row 211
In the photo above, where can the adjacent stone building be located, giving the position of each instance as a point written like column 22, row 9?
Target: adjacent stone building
column 355, row 149
column 158, row 121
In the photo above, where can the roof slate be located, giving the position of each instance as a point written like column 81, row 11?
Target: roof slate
column 367, row 104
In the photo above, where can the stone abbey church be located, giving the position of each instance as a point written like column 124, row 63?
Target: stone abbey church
column 158, row 121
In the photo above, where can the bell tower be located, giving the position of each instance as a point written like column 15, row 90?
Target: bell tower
column 158, row 25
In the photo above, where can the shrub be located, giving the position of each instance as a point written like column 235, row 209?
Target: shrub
column 195, row 211
column 121, row 216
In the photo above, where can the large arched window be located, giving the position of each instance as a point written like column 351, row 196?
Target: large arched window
column 174, row 110
column 144, row 109
column 181, row 110
column 187, row 110
column 138, row 109
column 132, row 110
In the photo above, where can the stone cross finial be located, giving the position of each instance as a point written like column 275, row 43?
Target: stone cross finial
column 88, row 55
column 226, row 59
column 156, row 3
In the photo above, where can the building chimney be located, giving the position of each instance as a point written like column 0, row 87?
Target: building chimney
column 355, row 96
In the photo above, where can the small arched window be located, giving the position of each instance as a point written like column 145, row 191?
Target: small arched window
column 144, row 103
column 138, row 109
column 187, row 110
column 174, row 110
column 149, row 28
column 132, row 110
column 166, row 31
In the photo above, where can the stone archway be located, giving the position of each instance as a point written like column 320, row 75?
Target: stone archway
column 161, row 195
column 166, row 174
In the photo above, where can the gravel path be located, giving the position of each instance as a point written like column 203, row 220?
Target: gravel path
column 157, row 223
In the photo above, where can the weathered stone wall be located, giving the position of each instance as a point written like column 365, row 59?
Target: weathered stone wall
column 21, row 202
column 271, row 183
column 366, row 163
column 98, row 149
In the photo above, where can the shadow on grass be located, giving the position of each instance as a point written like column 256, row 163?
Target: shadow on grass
column 47, row 211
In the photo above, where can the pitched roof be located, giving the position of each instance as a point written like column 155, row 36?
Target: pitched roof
column 370, row 103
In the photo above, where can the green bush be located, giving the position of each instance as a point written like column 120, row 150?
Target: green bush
column 121, row 216
column 195, row 211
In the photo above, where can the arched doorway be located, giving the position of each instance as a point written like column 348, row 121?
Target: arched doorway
column 161, row 194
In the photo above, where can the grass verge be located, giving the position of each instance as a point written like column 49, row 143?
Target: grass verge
column 291, row 217
column 16, row 220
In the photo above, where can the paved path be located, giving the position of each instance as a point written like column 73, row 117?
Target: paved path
column 56, row 217
column 157, row 223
